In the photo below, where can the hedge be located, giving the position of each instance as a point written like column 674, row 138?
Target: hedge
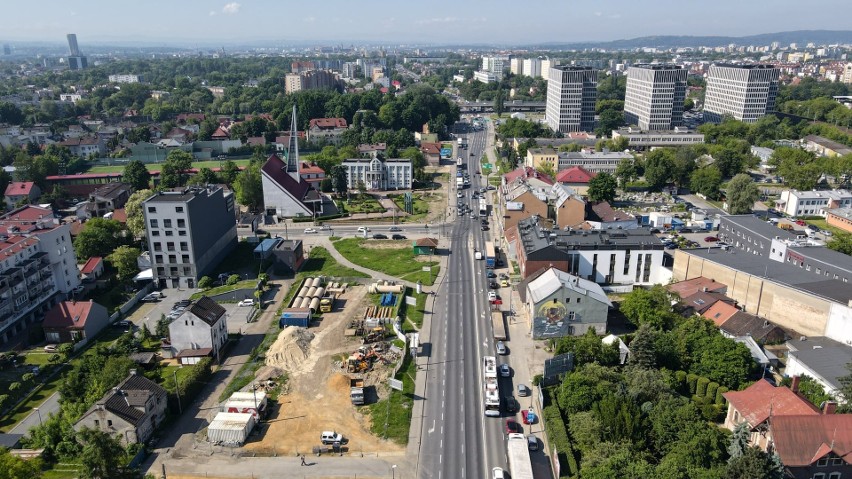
column 308, row 219
column 691, row 380
column 711, row 391
column 701, row 386
column 195, row 380
column 720, row 399
column 558, row 437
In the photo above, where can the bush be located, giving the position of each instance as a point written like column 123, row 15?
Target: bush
column 233, row 279
column 4, row 398
column 720, row 399
column 536, row 380
column 558, row 437
column 701, row 387
column 691, row 382
column 27, row 377
column 711, row 391
column 205, row 282
column 263, row 278
column 14, row 386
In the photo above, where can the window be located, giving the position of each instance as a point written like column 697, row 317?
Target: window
column 819, row 475
column 181, row 233
column 179, row 209
column 822, row 462
column 184, row 246
column 836, row 461
column 834, row 475
column 155, row 232
column 169, row 233
column 167, row 223
column 571, row 315
column 578, row 300
column 184, row 258
column 158, row 247
column 181, row 223
column 154, row 224
column 152, row 209
column 170, row 246
column 158, row 258
column 97, row 423
column 109, row 422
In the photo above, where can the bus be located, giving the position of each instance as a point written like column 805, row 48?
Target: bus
column 520, row 465
column 490, row 256
column 483, row 207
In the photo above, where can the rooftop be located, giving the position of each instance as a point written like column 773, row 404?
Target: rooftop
column 181, row 195
column 207, row 310
column 758, row 227
column 823, row 356
column 756, row 402
column 841, row 212
column 534, row 238
column 552, row 279
column 745, row 324
column 68, row 314
column 821, row 194
column 575, row 174
column 802, row 440
column 691, row 286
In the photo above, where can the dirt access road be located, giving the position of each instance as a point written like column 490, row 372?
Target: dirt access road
column 318, row 393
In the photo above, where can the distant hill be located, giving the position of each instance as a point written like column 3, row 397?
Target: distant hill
column 802, row 37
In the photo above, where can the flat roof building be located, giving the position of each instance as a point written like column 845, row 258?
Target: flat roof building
column 744, row 92
column 655, row 96
column 571, row 95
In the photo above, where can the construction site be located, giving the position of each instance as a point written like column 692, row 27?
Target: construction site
column 334, row 368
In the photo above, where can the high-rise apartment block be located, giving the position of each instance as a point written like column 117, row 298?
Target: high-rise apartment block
column 571, row 95
column 495, row 64
column 655, row 96
column 190, row 231
column 311, row 80
column 744, row 92
column 532, row 67
column 76, row 61
column 516, row 66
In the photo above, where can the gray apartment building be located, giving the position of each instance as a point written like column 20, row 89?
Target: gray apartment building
column 745, row 92
column 571, row 95
column 655, row 96
column 189, row 232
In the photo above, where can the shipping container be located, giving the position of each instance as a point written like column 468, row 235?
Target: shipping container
column 230, row 429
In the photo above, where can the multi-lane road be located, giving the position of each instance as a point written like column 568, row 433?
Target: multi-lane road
column 458, row 441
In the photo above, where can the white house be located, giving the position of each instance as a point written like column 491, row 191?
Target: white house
column 201, row 331
column 812, row 203
column 376, row 174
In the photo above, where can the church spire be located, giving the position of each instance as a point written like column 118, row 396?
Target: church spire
column 293, row 149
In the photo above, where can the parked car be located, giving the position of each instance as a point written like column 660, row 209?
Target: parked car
column 512, row 426
column 152, row 297
column 246, row 302
column 379, row 236
column 826, row 232
column 813, row 228
column 330, row 437
column 523, row 391
column 51, row 348
column 492, row 296
column 686, row 230
column 493, row 285
column 490, row 274
column 511, row 404
column 398, row 237
column 498, row 473
column 122, row 324
column 532, row 442
column 501, row 348
column 309, row 231
column 505, row 371
column 801, row 223
column 711, row 239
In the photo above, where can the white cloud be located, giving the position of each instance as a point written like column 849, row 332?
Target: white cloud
column 231, row 8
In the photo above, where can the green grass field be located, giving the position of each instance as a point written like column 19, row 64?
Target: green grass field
column 119, row 168
column 398, row 261
column 391, row 417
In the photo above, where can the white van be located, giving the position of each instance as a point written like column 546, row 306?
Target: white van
column 330, row 437
column 363, row 229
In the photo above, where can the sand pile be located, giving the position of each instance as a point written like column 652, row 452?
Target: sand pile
column 290, row 349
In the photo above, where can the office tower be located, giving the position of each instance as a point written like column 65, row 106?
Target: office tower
column 744, row 92
column 495, row 65
column 655, row 95
column 571, row 95
column 76, row 61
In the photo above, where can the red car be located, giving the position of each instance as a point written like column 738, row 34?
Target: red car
column 801, row 223
column 711, row 239
column 528, row 416
column 512, row 426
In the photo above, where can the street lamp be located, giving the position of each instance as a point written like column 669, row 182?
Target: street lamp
column 393, row 471
column 40, row 423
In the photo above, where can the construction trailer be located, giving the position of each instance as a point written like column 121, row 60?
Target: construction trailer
column 230, row 429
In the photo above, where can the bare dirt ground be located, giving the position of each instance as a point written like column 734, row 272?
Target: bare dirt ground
column 317, row 396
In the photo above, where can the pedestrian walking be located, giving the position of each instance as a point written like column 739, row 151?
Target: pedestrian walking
column 303, row 461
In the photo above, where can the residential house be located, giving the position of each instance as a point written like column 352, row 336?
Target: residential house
column 432, row 153
column 105, row 199
column 577, row 178
column 601, row 216
column 762, row 331
column 840, row 218
column 184, row 118
column 84, row 146
column 326, row 130
column 700, row 301
column 561, row 304
column 282, row 142
column 822, row 359
column 568, row 206
column 530, row 175
column 132, row 411
column 694, row 285
column 21, row 191
column 92, row 269
column 74, row 322
column 201, row 331
column 522, row 199
column 312, row 173
column 813, row 447
column 720, row 312
column 179, row 134
column 372, row 150
column 760, row 404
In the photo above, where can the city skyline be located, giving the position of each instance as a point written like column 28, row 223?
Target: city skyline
column 253, row 21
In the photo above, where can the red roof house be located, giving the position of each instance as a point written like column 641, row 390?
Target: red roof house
column 575, row 175
column 93, row 268
column 74, row 321
column 21, row 190
column 813, row 446
column 691, row 286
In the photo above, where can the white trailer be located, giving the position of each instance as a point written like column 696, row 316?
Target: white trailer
column 520, row 466
column 230, row 429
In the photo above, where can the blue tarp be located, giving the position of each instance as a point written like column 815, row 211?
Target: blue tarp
column 264, row 249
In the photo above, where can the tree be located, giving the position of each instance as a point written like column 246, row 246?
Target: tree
column 205, row 176
column 659, row 165
column 626, row 171
column 750, row 462
column 706, row 181
column 647, row 306
column 841, row 242
column 12, row 467
column 133, row 209
column 608, row 121
column 99, row 237
column 338, row 178
column 136, row 175
column 10, row 113
column 602, row 187
column 175, row 170
column 123, row 259
column 588, row 348
column 498, row 103
column 229, row 172
column 102, row 456
column 741, row 194
column 684, row 165
column 643, row 353
column 249, row 187
column 205, row 282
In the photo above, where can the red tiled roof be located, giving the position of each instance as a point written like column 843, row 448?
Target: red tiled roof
column 802, row 440
column 427, row 242
column 757, row 401
column 694, row 285
column 575, row 174
column 606, row 213
column 68, row 314
column 15, row 244
column 701, row 301
column 310, row 168
column 285, row 138
column 256, row 140
column 91, row 264
column 720, row 312
column 430, row 148
column 527, row 172
column 27, row 213
column 190, row 116
column 119, row 215
column 220, row 133
column 324, row 123
column 17, row 188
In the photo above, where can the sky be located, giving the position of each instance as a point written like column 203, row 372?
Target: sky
column 502, row 22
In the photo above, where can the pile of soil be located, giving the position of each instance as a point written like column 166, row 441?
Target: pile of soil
column 290, row 349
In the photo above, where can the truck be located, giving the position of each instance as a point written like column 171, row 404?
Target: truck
column 490, row 386
column 499, row 327
column 459, row 162
column 490, row 255
column 786, row 226
column 356, row 391
column 326, row 304
column 460, row 182
column 477, row 254
column 520, row 466
column 462, row 142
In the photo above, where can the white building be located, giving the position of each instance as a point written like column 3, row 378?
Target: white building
column 126, row 78
column 38, row 267
column 190, row 231
column 485, row 77
column 655, row 96
column 201, row 331
column 546, row 65
column 571, row 95
column 679, row 136
column 495, row 64
column 516, row 66
column 381, row 175
column 745, row 92
column 812, row 203
column 532, row 67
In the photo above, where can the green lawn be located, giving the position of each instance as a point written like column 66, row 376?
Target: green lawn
column 823, row 225
column 414, row 314
column 395, row 261
column 166, row 376
column 367, row 204
column 397, row 407
column 245, row 284
column 119, row 168
column 41, row 393
column 320, row 262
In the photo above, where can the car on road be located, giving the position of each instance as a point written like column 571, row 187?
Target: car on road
column 152, row 297
column 363, row 229
column 505, row 371
column 51, row 348
column 309, row 231
column 490, row 274
column 501, row 348
column 394, row 228
column 523, row 391
column 246, row 302
column 512, row 426
column 532, row 442
column 497, row 473
column 492, row 296
column 398, row 237
column 485, row 228
column 511, row 404
column 330, row 437
column 711, row 239
column 460, row 195
column 493, row 285
column 380, row 236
